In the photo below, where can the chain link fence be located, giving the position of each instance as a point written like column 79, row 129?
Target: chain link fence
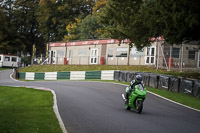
column 186, row 61
column 181, row 58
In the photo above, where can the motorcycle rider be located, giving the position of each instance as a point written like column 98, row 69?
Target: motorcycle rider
column 136, row 81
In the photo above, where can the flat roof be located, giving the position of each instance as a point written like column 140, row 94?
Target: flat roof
column 88, row 42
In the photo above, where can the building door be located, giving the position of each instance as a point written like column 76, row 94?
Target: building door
column 54, row 56
column 150, row 55
column 94, row 56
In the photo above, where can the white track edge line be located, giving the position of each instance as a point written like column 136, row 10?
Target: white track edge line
column 55, row 107
column 13, row 78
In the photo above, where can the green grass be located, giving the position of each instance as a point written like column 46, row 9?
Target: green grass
column 178, row 97
column 25, row 110
column 59, row 68
column 1, row 69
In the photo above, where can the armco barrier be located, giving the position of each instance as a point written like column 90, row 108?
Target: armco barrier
column 153, row 80
column 174, row 84
column 50, row 76
column 39, row 76
column 63, row 75
column 77, row 75
column 196, row 88
column 107, row 75
column 186, row 86
column 146, row 78
column 163, row 82
column 123, row 76
column 30, row 76
column 93, row 75
column 170, row 83
column 130, row 76
column 116, row 75
column 22, row 75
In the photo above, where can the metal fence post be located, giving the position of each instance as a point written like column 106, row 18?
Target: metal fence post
column 158, row 57
column 181, row 57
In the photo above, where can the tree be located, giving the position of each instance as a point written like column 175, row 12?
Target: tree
column 121, row 16
column 140, row 20
column 181, row 20
column 88, row 27
column 72, row 31
column 3, row 32
column 22, row 25
column 25, row 21
column 54, row 16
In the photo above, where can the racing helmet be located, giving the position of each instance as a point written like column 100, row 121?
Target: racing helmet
column 138, row 78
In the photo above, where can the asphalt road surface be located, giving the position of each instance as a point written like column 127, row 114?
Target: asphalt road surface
column 97, row 107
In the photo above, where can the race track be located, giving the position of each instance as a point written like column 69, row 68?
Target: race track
column 97, row 107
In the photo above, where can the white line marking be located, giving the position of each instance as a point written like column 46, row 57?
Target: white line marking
column 173, row 101
column 14, row 79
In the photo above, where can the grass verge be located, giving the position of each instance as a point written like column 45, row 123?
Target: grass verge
column 178, row 97
column 25, row 110
column 1, row 69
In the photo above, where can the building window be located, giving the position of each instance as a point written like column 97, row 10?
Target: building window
column 175, row 52
column 122, row 52
column 110, row 52
column 70, row 53
column 191, row 54
column 150, row 55
column 136, row 53
column 14, row 59
column 82, row 52
column 7, row 59
column 61, row 53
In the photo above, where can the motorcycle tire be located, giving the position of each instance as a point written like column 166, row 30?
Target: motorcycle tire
column 139, row 106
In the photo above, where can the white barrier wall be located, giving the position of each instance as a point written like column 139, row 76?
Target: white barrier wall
column 107, row 75
column 30, row 76
column 50, row 76
column 77, row 75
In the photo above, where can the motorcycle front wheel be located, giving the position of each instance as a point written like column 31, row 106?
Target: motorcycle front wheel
column 139, row 106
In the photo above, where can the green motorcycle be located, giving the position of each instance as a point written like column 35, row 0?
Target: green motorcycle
column 136, row 98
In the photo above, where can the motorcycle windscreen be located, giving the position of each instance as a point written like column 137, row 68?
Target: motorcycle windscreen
column 140, row 87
